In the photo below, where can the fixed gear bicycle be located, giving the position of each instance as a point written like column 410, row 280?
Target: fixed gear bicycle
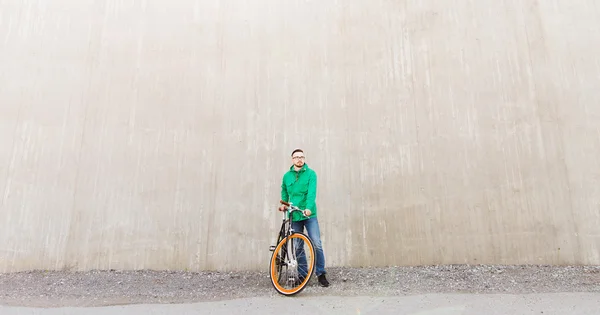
column 293, row 259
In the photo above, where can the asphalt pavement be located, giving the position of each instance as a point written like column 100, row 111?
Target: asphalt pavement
column 429, row 304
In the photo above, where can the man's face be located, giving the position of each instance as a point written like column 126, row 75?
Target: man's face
column 298, row 159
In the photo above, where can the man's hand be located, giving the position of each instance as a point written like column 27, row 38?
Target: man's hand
column 307, row 212
column 282, row 208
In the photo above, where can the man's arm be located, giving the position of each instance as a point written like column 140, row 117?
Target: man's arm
column 311, row 197
column 284, row 194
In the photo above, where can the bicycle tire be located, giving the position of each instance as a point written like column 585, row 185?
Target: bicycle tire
column 273, row 265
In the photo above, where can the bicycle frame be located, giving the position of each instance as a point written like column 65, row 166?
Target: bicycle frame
column 291, row 249
column 286, row 226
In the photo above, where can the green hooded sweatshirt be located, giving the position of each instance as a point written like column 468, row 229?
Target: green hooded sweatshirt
column 300, row 188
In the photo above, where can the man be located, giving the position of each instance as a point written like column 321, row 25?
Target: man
column 299, row 186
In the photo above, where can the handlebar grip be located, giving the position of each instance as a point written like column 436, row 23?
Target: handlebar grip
column 284, row 203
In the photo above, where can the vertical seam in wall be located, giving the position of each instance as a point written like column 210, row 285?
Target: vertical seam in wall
column 72, row 227
column 8, row 172
column 12, row 155
column 578, row 255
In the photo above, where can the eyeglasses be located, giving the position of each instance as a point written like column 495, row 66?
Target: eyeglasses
column 298, row 157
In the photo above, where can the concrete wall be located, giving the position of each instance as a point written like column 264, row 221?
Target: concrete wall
column 154, row 134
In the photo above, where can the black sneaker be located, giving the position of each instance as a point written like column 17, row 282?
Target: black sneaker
column 323, row 281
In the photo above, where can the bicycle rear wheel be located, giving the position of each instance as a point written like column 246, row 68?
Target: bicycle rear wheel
column 292, row 264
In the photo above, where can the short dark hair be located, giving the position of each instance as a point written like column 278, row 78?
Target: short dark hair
column 297, row 150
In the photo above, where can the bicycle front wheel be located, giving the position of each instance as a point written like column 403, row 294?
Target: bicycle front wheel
column 292, row 264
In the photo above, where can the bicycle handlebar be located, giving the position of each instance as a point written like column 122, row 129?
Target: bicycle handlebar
column 287, row 204
column 293, row 208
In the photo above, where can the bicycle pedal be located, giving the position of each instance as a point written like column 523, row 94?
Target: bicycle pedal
column 271, row 248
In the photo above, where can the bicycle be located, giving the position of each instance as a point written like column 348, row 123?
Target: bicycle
column 290, row 253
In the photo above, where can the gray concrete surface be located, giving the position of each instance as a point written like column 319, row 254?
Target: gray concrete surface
column 103, row 288
column 154, row 134
column 455, row 304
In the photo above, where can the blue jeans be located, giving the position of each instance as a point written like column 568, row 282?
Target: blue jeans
column 312, row 227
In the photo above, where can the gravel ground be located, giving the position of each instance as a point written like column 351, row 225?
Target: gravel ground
column 99, row 288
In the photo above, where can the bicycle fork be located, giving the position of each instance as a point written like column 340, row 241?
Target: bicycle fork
column 288, row 258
